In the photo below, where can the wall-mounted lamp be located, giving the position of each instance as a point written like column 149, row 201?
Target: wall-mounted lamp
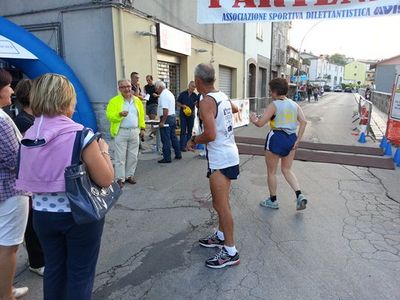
column 146, row 33
column 200, row 50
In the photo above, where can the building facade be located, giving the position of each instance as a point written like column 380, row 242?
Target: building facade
column 355, row 72
column 257, row 59
column 104, row 41
column 279, row 44
column 322, row 72
column 297, row 70
column 385, row 74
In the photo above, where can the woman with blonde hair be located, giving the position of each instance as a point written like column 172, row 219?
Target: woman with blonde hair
column 282, row 140
column 13, row 204
column 70, row 250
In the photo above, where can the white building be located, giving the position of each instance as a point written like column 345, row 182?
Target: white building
column 323, row 72
column 257, row 59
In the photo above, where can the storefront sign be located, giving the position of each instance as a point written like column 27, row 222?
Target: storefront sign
column 10, row 49
column 240, row 11
column 242, row 117
column 393, row 126
column 174, row 40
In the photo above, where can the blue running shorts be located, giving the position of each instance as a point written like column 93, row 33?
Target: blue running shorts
column 279, row 142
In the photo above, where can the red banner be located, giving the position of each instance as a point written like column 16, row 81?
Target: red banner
column 393, row 126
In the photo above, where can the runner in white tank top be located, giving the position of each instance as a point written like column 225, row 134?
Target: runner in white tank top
column 216, row 112
column 222, row 152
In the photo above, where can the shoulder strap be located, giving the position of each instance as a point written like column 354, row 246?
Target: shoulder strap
column 216, row 104
column 79, row 144
column 76, row 151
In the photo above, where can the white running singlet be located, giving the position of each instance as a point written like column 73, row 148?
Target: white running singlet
column 222, row 152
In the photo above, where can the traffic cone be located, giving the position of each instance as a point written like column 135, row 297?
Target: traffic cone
column 383, row 143
column 362, row 138
column 388, row 149
column 396, row 157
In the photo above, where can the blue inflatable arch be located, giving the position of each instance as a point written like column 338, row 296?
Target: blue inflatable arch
column 48, row 62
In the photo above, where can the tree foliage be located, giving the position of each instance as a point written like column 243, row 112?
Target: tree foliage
column 338, row 59
column 306, row 62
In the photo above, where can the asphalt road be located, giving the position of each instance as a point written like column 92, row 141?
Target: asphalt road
column 345, row 245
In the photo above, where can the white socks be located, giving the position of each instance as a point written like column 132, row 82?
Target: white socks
column 220, row 235
column 231, row 250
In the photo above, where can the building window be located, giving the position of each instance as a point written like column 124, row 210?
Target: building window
column 259, row 32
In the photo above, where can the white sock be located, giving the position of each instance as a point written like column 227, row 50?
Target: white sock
column 231, row 250
column 220, row 235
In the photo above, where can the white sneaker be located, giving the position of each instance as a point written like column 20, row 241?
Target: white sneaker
column 268, row 203
column 39, row 271
column 20, row 292
column 301, row 202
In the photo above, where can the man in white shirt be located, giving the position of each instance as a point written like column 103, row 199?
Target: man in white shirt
column 166, row 111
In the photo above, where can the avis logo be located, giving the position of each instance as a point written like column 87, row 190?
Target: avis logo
column 387, row 10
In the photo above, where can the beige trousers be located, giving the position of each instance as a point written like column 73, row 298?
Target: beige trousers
column 126, row 152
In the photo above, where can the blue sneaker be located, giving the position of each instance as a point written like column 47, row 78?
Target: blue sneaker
column 301, row 202
column 268, row 203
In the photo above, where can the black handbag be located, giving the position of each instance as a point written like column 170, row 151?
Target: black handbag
column 89, row 202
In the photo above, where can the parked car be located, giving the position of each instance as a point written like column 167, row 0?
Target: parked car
column 348, row 89
column 338, row 88
column 327, row 88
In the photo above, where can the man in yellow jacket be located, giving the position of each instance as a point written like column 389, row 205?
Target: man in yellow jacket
column 126, row 116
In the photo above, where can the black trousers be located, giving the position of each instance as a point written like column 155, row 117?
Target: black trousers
column 33, row 247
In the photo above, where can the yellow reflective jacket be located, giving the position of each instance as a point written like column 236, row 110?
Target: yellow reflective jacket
column 115, row 106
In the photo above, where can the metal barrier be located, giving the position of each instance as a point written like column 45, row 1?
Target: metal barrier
column 365, row 112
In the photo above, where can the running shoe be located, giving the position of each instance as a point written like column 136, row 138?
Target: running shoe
column 222, row 259
column 301, row 202
column 211, row 241
column 19, row 292
column 39, row 271
column 268, row 203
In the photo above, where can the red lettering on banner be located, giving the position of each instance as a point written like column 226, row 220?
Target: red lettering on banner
column 333, row 2
column 277, row 3
column 326, row 2
column 214, row 4
column 247, row 3
column 264, row 3
column 281, row 3
column 349, row 1
column 300, row 3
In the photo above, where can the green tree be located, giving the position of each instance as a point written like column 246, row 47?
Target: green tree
column 338, row 59
column 306, row 62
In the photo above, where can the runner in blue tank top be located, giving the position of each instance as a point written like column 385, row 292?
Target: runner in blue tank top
column 281, row 143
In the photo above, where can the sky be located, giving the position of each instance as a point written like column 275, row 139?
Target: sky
column 361, row 38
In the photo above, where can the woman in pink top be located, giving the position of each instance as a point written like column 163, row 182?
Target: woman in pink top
column 70, row 250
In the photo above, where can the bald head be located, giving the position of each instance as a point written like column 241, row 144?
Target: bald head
column 205, row 73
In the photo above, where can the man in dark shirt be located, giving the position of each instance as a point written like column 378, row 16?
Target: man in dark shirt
column 136, row 89
column 186, row 99
column 152, row 101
